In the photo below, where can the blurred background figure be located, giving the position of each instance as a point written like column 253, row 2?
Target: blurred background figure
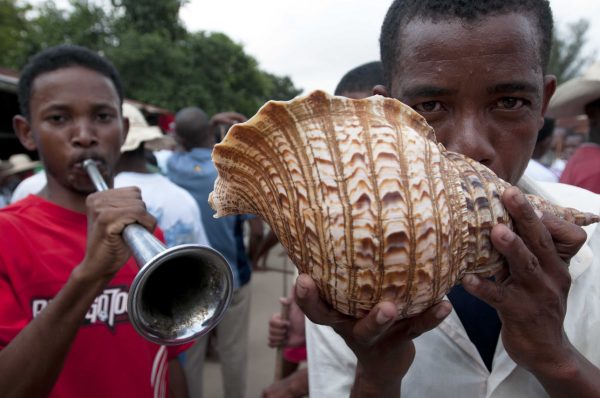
column 161, row 150
column 289, row 334
column 192, row 169
column 175, row 210
column 20, row 167
column 569, row 141
column 578, row 96
column 535, row 168
column 5, row 191
column 358, row 83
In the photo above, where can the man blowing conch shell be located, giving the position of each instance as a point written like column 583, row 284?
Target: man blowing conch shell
column 477, row 72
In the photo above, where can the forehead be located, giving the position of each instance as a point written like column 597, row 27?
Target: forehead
column 503, row 43
column 357, row 94
column 73, row 86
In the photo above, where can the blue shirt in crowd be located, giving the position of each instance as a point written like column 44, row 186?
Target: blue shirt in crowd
column 195, row 172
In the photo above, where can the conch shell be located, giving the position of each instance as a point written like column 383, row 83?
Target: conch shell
column 364, row 199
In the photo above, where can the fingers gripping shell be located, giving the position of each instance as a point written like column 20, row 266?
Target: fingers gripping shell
column 363, row 198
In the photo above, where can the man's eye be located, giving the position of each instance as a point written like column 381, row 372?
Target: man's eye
column 429, row 106
column 510, row 103
column 57, row 118
column 104, row 117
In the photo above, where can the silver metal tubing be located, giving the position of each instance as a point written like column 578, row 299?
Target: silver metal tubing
column 180, row 293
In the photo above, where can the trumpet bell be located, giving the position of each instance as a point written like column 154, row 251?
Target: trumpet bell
column 180, row 294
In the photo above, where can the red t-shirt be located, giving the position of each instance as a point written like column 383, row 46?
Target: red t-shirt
column 40, row 244
column 583, row 168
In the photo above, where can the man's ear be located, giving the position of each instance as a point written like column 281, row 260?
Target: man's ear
column 549, row 89
column 380, row 90
column 23, row 131
column 125, row 128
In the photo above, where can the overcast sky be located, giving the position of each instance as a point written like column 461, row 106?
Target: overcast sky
column 316, row 42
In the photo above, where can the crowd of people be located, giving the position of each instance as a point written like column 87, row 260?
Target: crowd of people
column 477, row 72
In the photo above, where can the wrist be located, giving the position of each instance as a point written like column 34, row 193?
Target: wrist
column 376, row 383
column 563, row 365
column 575, row 376
column 81, row 276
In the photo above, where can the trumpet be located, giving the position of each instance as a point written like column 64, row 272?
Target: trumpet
column 180, row 293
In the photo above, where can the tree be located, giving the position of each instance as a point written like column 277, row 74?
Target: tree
column 84, row 24
column 12, row 25
column 151, row 67
column 160, row 61
column 152, row 16
column 566, row 57
column 223, row 77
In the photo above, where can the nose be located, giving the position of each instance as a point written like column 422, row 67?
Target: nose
column 84, row 134
column 470, row 137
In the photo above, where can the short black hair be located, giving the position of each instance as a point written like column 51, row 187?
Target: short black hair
column 401, row 12
column 59, row 57
column 361, row 78
column 192, row 126
column 546, row 130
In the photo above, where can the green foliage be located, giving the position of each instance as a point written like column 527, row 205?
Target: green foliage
column 222, row 77
column 13, row 24
column 161, row 63
column 85, row 24
column 566, row 57
column 152, row 16
column 146, row 63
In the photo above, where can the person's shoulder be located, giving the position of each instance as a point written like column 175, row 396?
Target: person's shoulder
column 585, row 153
column 22, row 205
column 30, row 185
column 178, row 193
column 17, row 213
column 176, row 196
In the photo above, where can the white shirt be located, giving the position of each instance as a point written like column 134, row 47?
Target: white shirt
column 31, row 185
column 162, row 158
column 558, row 166
column 447, row 364
column 539, row 172
column 174, row 208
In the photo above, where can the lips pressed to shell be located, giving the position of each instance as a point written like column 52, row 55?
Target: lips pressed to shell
column 365, row 200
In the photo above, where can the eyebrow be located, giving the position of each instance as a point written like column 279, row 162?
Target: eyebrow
column 65, row 106
column 427, row 91
column 512, row 87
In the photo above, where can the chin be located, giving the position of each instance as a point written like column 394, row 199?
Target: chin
column 81, row 185
column 83, row 189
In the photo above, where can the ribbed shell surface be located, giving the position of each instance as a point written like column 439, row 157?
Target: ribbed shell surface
column 363, row 199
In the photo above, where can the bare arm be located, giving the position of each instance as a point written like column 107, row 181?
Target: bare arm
column 32, row 361
column 256, row 237
column 531, row 298
column 263, row 248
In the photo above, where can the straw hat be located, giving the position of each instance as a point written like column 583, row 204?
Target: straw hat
column 139, row 130
column 571, row 97
column 18, row 163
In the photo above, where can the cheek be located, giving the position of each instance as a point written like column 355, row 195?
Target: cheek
column 443, row 129
column 113, row 137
